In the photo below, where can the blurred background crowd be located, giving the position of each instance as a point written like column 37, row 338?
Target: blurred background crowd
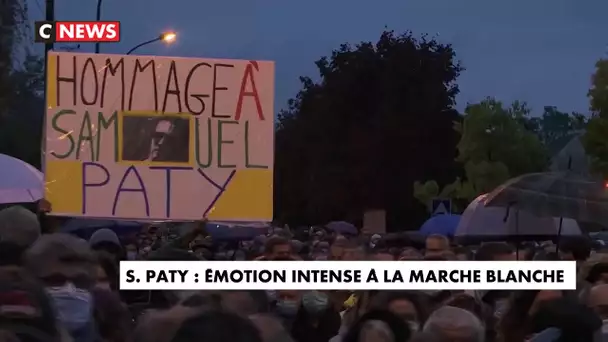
column 60, row 286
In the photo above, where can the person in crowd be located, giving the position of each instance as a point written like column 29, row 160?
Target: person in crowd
column 244, row 303
column 598, row 302
column 107, row 241
column 19, row 227
column 436, row 245
column 161, row 325
column 477, row 307
column 382, row 254
column 353, row 251
column 410, row 306
column 106, row 272
column 316, row 319
column 26, row 311
column 270, row 328
column 359, row 303
column 462, row 253
column 217, row 326
column 286, row 304
column 132, row 252
column 495, row 251
column 278, row 248
column 452, row 324
column 112, row 318
column 410, row 253
column 577, row 248
column 336, row 249
column 598, row 274
column 66, row 265
column 564, row 319
column 516, row 323
column 378, row 326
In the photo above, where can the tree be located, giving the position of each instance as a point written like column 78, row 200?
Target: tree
column 21, row 86
column 494, row 146
column 556, row 128
column 380, row 117
column 595, row 139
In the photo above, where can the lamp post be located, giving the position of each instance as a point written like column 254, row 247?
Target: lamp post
column 168, row 37
column 98, row 18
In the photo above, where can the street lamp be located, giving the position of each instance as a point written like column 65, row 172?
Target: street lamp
column 168, row 37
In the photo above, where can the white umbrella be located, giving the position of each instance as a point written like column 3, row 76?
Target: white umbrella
column 478, row 220
column 20, row 182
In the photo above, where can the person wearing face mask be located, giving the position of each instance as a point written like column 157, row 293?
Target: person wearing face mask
column 285, row 305
column 407, row 305
column 317, row 319
column 132, row 253
column 66, row 265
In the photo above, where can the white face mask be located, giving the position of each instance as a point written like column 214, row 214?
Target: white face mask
column 414, row 326
column 500, row 307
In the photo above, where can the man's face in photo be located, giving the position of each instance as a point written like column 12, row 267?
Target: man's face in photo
column 163, row 128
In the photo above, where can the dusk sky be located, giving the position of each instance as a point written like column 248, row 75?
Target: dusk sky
column 539, row 51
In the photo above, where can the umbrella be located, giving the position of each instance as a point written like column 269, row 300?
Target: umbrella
column 440, row 224
column 342, row 227
column 557, row 194
column 479, row 221
column 19, row 181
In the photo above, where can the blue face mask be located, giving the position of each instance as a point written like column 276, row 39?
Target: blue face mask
column 74, row 306
column 287, row 308
column 271, row 295
column 315, row 302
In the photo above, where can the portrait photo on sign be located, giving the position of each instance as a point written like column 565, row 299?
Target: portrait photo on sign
column 155, row 138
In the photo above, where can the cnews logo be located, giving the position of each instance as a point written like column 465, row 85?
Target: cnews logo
column 77, row 31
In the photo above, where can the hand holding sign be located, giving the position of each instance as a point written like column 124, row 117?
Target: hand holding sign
column 44, row 206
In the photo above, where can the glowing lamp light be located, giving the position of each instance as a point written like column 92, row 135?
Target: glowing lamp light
column 606, row 185
column 168, row 37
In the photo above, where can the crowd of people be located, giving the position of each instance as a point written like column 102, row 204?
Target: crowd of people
column 59, row 287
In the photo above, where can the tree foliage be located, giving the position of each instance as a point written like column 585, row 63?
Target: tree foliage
column 380, row 117
column 494, row 146
column 554, row 127
column 21, row 86
column 596, row 136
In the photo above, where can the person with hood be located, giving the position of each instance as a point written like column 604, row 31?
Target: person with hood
column 107, row 241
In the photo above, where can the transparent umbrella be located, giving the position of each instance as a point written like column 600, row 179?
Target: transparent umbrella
column 554, row 194
column 20, row 182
